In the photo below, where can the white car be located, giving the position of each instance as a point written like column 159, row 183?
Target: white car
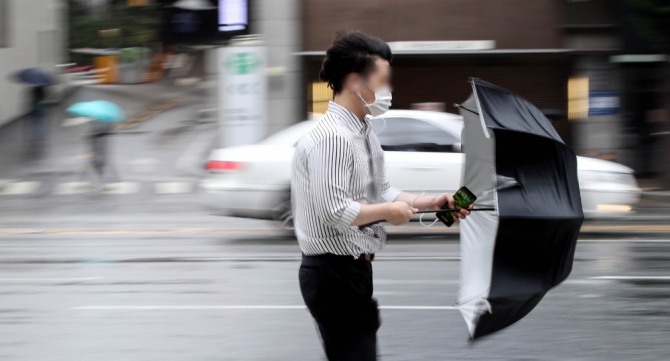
column 422, row 153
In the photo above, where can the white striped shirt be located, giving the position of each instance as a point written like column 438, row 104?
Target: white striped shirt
column 337, row 167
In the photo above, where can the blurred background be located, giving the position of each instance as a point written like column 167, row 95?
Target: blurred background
column 145, row 151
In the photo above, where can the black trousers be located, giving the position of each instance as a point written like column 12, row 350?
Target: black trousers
column 338, row 293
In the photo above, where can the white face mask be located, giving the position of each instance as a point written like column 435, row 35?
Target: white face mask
column 381, row 104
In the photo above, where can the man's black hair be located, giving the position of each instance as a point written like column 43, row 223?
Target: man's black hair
column 352, row 52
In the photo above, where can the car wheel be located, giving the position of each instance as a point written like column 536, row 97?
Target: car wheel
column 283, row 212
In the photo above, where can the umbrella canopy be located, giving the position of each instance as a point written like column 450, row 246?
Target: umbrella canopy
column 516, row 163
column 34, row 76
column 102, row 110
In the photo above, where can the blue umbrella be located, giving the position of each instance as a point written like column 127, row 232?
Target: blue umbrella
column 34, row 76
column 102, row 110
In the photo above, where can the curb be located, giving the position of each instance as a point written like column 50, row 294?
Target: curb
column 143, row 116
column 658, row 196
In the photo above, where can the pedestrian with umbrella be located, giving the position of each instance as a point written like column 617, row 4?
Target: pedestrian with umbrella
column 339, row 194
column 39, row 80
column 105, row 116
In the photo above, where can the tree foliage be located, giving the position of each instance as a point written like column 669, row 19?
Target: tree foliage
column 652, row 19
column 119, row 26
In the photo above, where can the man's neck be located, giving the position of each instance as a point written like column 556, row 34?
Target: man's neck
column 352, row 103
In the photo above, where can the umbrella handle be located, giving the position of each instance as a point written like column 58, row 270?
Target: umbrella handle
column 488, row 209
column 441, row 210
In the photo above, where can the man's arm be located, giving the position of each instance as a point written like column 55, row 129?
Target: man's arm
column 330, row 168
column 330, row 165
column 418, row 202
column 433, row 203
column 422, row 202
column 395, row 213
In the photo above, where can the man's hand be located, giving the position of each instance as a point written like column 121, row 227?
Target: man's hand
column 446, row 198
column 399, row 213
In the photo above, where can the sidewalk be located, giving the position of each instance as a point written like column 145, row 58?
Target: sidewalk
column 63, row 151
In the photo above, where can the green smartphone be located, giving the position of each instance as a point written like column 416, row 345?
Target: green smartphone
column 463, row 198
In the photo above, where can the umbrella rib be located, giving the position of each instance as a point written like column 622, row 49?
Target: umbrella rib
column 462, row 107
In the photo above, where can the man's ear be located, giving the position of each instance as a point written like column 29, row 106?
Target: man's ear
column 353, row 82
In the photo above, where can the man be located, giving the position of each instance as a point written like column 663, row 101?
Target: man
column 340, row 195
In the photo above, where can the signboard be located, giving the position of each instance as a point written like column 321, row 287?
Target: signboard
column 204, row 21
column 242, row 94
column 233, row 15
column 448, row 45
column 603, row 103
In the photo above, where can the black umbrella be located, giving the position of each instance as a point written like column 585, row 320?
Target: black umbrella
column 518, row 165
column 34, row 76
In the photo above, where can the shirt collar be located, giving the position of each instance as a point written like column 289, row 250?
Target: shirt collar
column 349, row 118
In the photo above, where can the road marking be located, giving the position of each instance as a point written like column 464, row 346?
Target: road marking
column 637, row 228
column 602, row 228
column 419, row 308
column 159, row 231
column 26, row 244
column 41, row 279
column 173, row 187
column 72, row 188
column 245, row 307
column 265, row 231
column 588, row 281
column 144, row 165
column 18, row 188
column 122, row 188
column 632, row 278
column 624, row 240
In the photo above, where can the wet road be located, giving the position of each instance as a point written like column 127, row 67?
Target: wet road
column 154, row 290
column 146, row 274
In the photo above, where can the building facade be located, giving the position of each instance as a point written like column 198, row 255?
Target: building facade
column 31, row 35
column 564, row 56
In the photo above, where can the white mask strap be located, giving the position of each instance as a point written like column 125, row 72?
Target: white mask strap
column 365, row 104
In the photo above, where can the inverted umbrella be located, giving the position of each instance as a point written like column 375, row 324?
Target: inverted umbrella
column 34, row 76
column 518, row 165
column 102, row 110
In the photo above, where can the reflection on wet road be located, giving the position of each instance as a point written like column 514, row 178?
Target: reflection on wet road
column 208, row 296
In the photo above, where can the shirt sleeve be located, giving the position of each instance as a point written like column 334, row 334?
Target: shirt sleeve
column 330, row 166
column 389, row 194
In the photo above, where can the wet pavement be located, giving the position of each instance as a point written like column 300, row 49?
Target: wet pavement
column 168, row 139
column 124, row 283
column 149, row 274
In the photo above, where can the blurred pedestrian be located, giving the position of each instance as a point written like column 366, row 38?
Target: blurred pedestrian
column 104, row 116
column 340, row 196
column 37, row 112
column 98, row 139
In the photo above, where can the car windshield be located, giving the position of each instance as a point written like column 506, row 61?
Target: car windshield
column 414, row 135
